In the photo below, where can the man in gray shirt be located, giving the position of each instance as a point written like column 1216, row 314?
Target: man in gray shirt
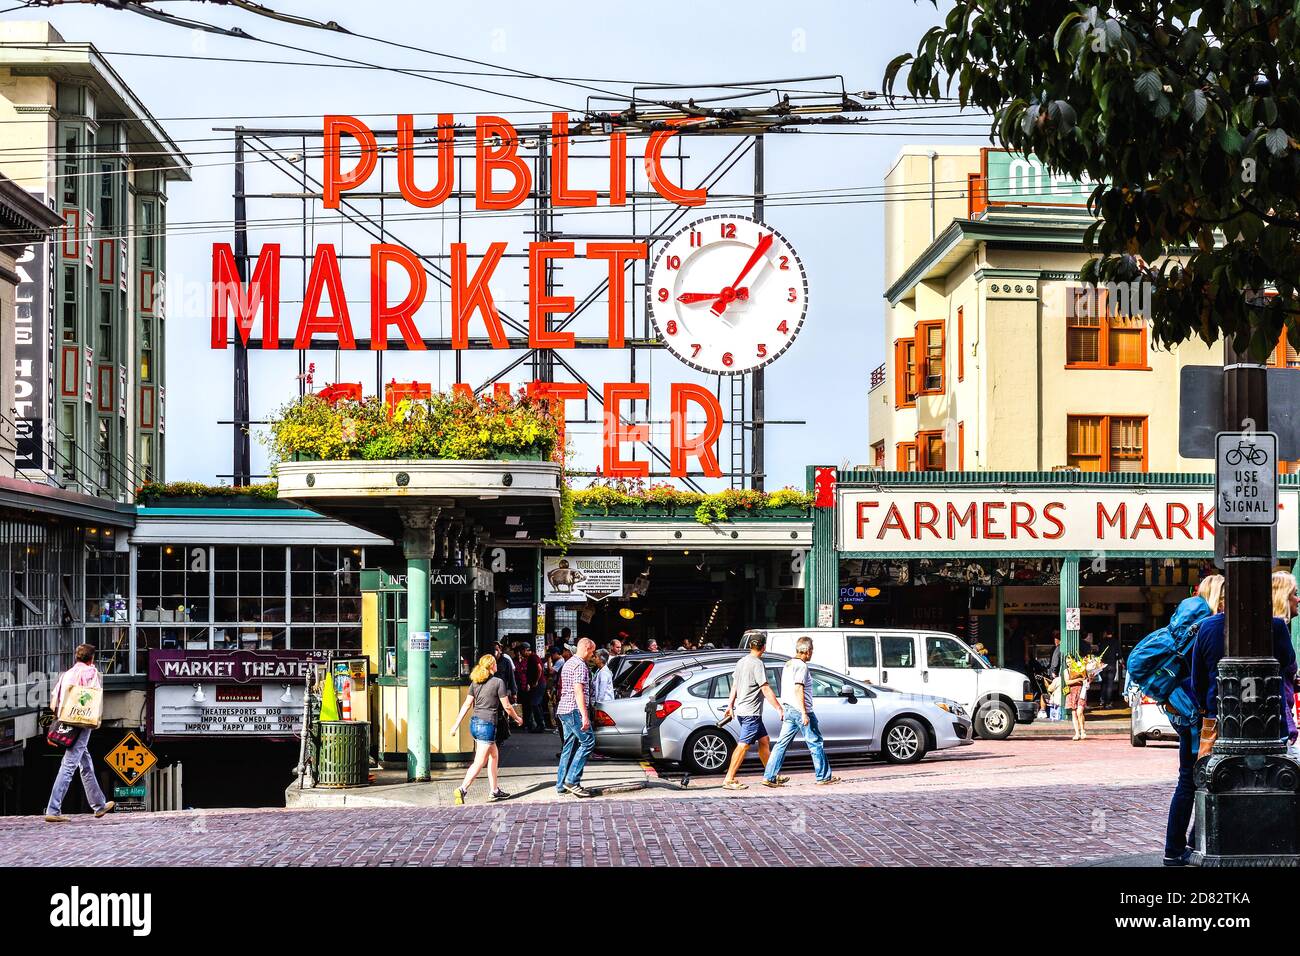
column 749, row 687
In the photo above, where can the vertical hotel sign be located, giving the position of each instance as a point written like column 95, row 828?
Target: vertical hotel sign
column 32, row 344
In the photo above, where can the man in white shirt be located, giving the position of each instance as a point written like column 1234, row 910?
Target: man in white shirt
column 797, row 708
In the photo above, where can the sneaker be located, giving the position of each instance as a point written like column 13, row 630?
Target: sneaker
column 578, row 790
column 459, row 797
column 782, row 779
column 108, row 808
column 1183, row 859
column 830, row 780
column 498, row 794
column 56, row 818
column 778, row 782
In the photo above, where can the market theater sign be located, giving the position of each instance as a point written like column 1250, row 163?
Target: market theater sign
column 1176, row 522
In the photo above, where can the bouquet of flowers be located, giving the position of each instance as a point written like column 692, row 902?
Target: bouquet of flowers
column 1089, row 666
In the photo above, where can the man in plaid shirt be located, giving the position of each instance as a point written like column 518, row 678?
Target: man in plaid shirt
column 573, row 711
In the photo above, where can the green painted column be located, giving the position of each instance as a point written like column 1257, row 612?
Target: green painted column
column 418, row 525
column 417, row 669
column 1000, row 624
column 1295, row 621
column 822, row 571
column 1069, row 598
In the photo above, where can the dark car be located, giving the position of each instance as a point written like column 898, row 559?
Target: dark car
column 634, row 672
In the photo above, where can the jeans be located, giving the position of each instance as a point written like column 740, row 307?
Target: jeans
column 77, row 757
column 578, row 745
column 535, row 711
column 791, row 726
column 1180, row 806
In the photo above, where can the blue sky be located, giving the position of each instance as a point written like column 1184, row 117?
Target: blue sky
column 823, row 379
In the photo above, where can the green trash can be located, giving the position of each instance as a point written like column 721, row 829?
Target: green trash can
column 344, row 754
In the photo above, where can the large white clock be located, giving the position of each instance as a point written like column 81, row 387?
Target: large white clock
column 727, row 294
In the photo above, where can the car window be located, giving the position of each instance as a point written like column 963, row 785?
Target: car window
column 897, row 652
column 721, row 687
column 862, row 650
column 946, row 652
column 702, row 688
column 774, row 679
column 825, row 684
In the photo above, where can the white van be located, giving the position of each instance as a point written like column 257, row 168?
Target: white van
column 919, row 662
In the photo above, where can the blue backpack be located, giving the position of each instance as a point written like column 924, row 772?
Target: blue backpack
column 1161, row 661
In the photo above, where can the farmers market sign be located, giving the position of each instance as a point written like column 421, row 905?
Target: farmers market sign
column 991, row 521
column 1011, row 179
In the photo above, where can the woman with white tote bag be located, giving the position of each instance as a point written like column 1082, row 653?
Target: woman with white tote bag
column 78, row 703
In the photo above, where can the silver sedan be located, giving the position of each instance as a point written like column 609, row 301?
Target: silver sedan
column 683, row 712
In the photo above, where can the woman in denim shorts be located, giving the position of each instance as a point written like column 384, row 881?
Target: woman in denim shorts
column 486, row 691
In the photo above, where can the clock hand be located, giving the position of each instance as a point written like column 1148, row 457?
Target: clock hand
column 689, row 298
column 729, row 293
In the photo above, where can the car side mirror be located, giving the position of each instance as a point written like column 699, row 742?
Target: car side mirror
column 847, row 694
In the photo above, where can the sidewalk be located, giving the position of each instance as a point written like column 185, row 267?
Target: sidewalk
column 1100, row 723
column 527, row 773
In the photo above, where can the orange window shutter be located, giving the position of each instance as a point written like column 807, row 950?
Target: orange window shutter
column 961, row 446
column 961, row 344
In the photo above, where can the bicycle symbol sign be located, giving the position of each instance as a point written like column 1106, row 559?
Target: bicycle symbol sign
column 1245, row 480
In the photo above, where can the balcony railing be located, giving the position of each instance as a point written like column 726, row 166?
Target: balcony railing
column 877, row 377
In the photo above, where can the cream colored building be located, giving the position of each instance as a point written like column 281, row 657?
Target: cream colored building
column 89, row 396
column 997, row 359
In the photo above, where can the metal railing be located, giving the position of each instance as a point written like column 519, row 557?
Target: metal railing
column 877, row 377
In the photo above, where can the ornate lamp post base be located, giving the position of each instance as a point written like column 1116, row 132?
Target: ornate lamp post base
column 1248, row 788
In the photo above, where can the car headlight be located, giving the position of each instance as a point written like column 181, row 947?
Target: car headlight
column 952, row 707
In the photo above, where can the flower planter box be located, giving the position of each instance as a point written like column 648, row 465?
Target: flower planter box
column 212, row 501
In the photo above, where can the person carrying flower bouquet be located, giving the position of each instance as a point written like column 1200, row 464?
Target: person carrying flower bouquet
column 1082, row 673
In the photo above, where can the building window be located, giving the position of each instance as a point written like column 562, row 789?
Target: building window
column 1107, row 442
column 146, row 457
column 1094, row 339
column 1284, row 356
column 69, row 303
column 931, row 452
column 906, row 456
column 961, row 344
column 878, row 454
column 904, row 373
column 930, row 342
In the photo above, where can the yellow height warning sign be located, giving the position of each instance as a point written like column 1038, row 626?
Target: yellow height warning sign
column 131, row 759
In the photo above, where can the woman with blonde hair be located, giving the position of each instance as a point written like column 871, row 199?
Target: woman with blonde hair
column 486, row 693
column 1286, row 601
column 1210, row 590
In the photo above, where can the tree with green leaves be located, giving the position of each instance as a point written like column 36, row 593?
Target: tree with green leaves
column 1185, row 112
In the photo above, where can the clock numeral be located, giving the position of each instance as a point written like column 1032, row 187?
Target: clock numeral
column 672, row 327
column 762, row 350
column 697, row 238
column 727, row 360
column 674, row 262
column 728, row 230
column 785, row 262
column 663, row 295
column 792, row 296
column 784, row 327
column 695, row 350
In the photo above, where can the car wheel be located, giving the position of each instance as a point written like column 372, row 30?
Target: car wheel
column 707, row 751
column 995, row 720
column 904, row 741
column 1137, row 740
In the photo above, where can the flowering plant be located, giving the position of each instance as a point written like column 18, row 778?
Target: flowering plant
column 443, row 426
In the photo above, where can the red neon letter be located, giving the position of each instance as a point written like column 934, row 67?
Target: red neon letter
column 659, row 179
column 335, row 181
column 324, row 276
column 618, row 168
column 616, row 432
column 382, row 315
column 263, row 292
column 619, row 255
column 425, row 198
column 702, row 444
column 505, row 156
column 465, row 298
column 561, row 194
column 540, row 305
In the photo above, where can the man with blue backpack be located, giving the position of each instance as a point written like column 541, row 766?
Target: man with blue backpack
column 1160, row 666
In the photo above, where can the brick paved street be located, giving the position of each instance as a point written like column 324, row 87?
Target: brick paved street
column 1036, row 825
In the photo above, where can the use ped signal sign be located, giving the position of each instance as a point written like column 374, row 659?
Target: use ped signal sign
column 1245, row 479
